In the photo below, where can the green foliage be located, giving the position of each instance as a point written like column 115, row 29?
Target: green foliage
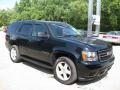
column 71, row 11
column 4, row 17
column 110, row 15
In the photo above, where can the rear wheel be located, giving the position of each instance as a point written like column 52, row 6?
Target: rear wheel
column 65, row 70
column 14, row 54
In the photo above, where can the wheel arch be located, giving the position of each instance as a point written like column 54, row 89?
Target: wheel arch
column 60, row 53
column 9, row 44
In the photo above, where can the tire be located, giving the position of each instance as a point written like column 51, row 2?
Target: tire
column 14, row 54
column 65, row 70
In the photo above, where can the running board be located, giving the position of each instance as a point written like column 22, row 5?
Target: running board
column 37, row 62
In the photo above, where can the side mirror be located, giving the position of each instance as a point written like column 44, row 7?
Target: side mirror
column 42, row 35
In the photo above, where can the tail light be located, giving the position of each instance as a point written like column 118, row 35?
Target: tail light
column 114, row 37
column 104, row 36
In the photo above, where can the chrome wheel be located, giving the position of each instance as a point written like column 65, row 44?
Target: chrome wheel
column 63, row 71
column 13, row 54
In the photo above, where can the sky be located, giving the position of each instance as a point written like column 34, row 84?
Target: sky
column 4, row 4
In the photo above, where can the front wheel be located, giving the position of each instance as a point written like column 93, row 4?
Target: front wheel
column 65, row 70
column 14, row 54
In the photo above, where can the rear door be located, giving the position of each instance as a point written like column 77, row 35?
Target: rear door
column 24, row 34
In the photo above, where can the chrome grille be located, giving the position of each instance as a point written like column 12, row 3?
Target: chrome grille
column 105, row 54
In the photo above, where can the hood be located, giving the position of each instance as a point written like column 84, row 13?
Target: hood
column 94, row 43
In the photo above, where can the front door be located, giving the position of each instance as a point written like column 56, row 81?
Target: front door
column 40, row 47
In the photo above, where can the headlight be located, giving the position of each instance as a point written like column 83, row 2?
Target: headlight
column 89, row 56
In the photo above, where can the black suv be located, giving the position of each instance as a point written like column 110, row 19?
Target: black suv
column 59, row 46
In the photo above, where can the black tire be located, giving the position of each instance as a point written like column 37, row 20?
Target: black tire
column 70, row 63
column 18, row 57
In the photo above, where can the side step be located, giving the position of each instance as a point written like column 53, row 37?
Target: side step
column 37, row 62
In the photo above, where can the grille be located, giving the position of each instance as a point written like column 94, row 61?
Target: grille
column 105, row 54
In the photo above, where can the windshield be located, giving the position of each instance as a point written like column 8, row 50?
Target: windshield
column 118, row 33
column 61, row 30
column 114, row 33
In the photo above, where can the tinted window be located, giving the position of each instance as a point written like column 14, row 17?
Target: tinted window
column 57, row 31
column 13, row 27
column 111, row 33
column 26, row 29
column 63, row 30
column 117, row 32
column 39, row 28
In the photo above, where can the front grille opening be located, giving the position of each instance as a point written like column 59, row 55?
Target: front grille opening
column 91, row 74
column 105, row 54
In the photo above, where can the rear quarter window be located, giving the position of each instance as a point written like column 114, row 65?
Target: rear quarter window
column 13, row 27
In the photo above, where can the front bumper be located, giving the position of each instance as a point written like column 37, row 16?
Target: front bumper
column 91, row 70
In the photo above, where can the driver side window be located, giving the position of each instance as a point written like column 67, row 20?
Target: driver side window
column 39, row 28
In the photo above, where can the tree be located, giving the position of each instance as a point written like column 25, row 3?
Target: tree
column 4, row 17
column 110, row 15
column 72, row 11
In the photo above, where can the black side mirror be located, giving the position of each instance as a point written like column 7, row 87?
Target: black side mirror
column 42, row 35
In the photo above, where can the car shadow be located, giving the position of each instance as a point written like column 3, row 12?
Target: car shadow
column 49, row 71
column 91, row 81
column 45, row 70
column 113, row 44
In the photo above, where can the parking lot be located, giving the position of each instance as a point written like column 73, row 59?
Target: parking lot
column 25, row 76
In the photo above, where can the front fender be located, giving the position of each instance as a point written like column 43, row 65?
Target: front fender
column 57, row 52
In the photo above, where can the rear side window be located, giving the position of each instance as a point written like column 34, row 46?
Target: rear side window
column 39, row 28
column 26, row 29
